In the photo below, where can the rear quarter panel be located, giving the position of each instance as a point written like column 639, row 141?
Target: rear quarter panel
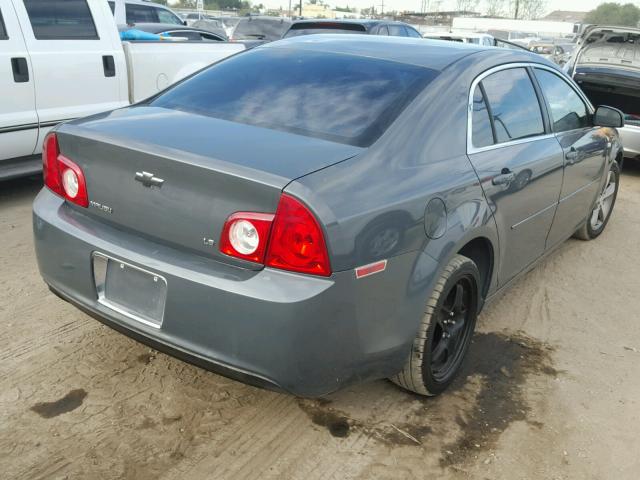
column 385, row 191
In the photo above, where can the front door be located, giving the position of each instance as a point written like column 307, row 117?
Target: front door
column 518, row 162
column 18, row 118
column 585, row 150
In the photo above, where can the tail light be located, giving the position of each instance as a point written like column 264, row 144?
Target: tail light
column 289, row 240
column 61, row 175
column 245, row 235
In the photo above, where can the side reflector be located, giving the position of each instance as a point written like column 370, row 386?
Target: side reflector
column 370, row 269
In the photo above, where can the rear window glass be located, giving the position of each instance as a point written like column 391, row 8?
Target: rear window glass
column 310, row 28
column 3, row 31
column 260, row 29
column 342, row 98
column 141, row 14
column 61, row 19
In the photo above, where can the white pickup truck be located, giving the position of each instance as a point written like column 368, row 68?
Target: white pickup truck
column 63, row 59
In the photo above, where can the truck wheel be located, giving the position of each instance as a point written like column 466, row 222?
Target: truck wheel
column 445, row 330
column 603, row 207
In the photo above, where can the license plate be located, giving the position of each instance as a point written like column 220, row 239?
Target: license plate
column 132, row 291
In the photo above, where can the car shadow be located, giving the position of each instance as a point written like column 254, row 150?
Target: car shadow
column 19, row 190
column 631, row 167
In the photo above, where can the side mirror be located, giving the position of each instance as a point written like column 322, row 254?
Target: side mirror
column 608, row 117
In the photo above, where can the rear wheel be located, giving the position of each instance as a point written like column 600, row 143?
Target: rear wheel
column 599, row 216
column 445, row 330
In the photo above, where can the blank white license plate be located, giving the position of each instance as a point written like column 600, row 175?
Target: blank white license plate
column 132, row 291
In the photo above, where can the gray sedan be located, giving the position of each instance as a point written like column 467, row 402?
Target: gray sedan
column 324, row 210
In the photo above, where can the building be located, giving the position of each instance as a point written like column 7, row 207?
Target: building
column 565, row 16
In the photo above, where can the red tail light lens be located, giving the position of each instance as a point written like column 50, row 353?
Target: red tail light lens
column 297, row 242
column 50, row 172
column 61, row 175
column 289, row 240
column 245, row 235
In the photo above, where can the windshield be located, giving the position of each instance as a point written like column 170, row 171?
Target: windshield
column 342, row 98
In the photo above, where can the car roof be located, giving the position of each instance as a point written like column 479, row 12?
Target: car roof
column 359, row 21
column 434, row 54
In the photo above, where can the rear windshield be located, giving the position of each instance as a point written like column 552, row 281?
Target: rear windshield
column 260, row 29
column 342, row 98
column 324, row 27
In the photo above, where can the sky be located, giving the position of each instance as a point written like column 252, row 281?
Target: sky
column 577, row 5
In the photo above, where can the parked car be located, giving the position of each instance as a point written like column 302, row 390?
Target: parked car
column 475, row 38
column 214, row 26
column 256, row 27
column 606, row 65
column 553, row 53
column 370, row 27
column 131, row 12
column 297, row 233
column 63, row 59
column 192, row 17
column 178, row 32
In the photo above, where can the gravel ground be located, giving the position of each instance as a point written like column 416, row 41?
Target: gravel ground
column 551, row 389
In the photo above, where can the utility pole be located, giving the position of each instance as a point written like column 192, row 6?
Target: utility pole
column 382, row 8
column 517, row 9
column 300, row 8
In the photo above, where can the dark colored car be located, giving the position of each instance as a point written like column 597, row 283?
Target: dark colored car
column 179, row 31
column 322, row 211
column 370, row 27
column 256, row 27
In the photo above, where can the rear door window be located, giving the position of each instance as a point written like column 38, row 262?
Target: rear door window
column 383, row 30
column 514, row 105
column 338, row 97
column 397, row 31
column 568, row 111
column 413, row 33
column 165, row 16
column 61, row 19
column 141, row 14
column 482, row 132
column 3, row 30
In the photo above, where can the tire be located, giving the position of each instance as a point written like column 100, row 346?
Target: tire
column 422, row 373
column 603, row 208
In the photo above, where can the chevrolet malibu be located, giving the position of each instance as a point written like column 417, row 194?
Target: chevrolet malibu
column 324, row 210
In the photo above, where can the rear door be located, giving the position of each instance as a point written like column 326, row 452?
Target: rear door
column 518, row 162
column 77, row 58
column 585, row 150
column 18, row 119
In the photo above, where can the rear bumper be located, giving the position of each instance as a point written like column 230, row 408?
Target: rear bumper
column 305, row 335
column 630, row 138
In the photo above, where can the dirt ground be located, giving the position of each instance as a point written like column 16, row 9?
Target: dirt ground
column 551, row 389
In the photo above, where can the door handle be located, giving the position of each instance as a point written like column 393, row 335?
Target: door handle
column 505, row 178
column 109, row 66
column 20, row 69
column 571, row 156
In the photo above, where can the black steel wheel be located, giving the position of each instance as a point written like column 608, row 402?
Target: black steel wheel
column 445, row 331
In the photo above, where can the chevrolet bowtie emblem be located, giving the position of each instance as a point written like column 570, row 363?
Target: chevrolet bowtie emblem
column 149, row 179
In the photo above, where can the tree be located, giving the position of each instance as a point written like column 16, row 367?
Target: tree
column 466, row 5
column 495, row 8
column 526, row 9
column 614, row 14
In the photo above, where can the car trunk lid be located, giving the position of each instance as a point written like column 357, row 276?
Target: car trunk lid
column 175, row 177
